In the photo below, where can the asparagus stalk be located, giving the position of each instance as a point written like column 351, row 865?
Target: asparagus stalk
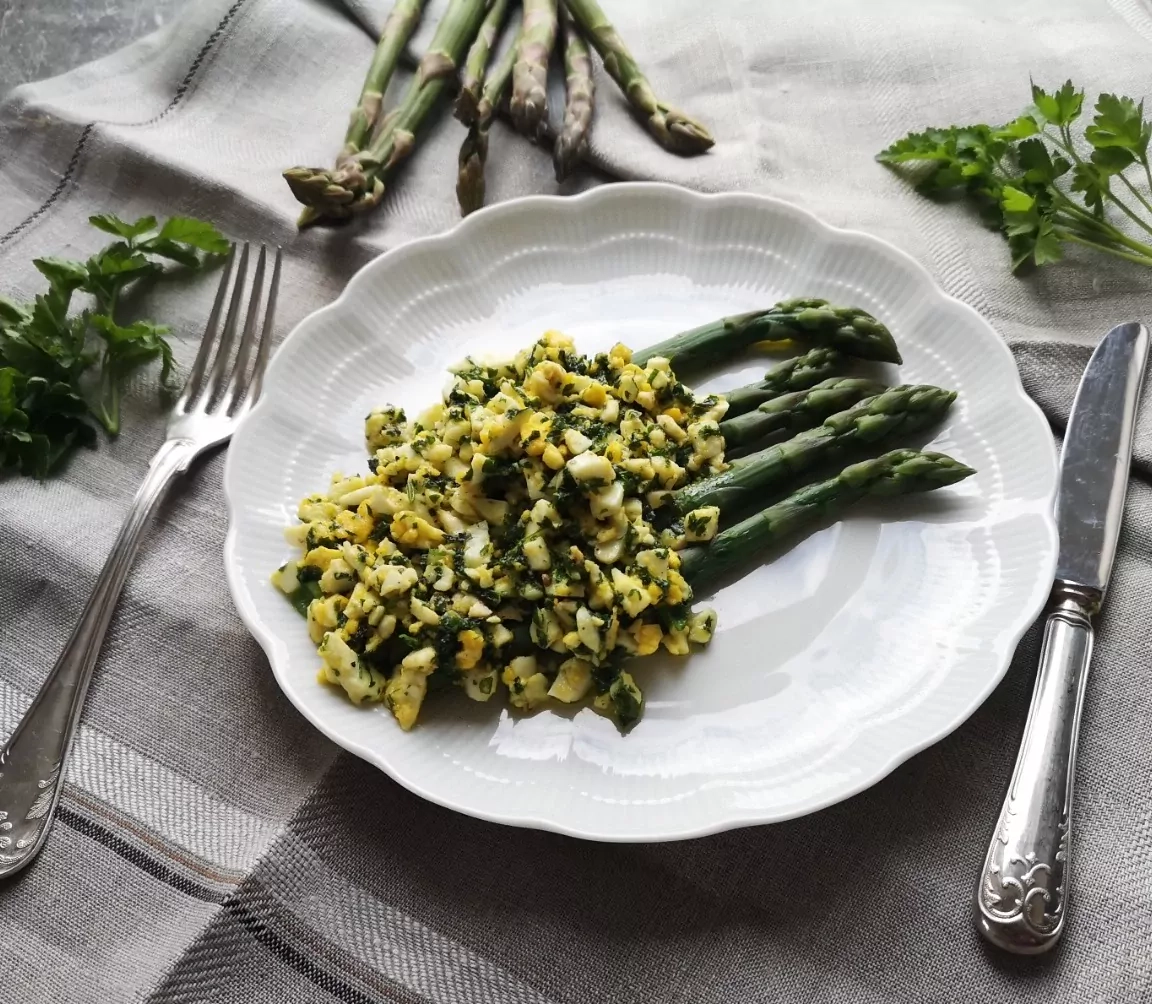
column 794, row 412
column 850, row 330
column 472, row 76
column 360, row 185
column 470, row 185
column 580, row 89
column 897, row 473
column 529, row 102
column 898, row 410
column 798, row 373
column 398, row 29
column 673, row 129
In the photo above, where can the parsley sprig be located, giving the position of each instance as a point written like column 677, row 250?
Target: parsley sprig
column 62, row 370
column 1043, row 186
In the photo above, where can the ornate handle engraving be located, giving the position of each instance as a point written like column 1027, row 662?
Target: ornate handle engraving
column 20, row 833
column 1022, row 894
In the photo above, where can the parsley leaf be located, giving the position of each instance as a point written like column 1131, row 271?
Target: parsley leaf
column 194, row 234
column 1119, row 125
column 12, row 313
column 114, row 225
column 125, row 349
column 1038, row 165
column 1093, row 183
column 182, row 254
column 112, row 269
column 1061, row 107
column 62, row 274
column 1020, row 128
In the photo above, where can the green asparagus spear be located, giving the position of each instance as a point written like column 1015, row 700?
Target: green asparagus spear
column 394, row 36
column 898, row 410
column 359, row 186
column 472, row 76
column 580, row 90
column 673, row 129
column 802, row 409
column 497, row 81
column 470, row 186
column 798, row 373
column 529, row 101
column 897, row 473
column 812, row 322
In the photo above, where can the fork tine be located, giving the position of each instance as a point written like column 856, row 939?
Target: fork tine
column 266, row 334
column 215, row 384
column 238, row 378
column 208, row 339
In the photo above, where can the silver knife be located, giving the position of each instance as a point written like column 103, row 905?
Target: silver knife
column 1022, row 892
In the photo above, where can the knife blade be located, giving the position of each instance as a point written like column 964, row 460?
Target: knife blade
column 1021, row 894
column 1096, row 456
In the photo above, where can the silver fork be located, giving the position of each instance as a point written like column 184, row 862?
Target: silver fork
column 222, row 387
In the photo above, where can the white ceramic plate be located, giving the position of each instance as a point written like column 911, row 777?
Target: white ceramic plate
column 840, row 658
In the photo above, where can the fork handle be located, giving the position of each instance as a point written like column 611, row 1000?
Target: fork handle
column 33, row 762
column 1022, row 892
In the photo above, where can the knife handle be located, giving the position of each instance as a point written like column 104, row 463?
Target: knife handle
column 1022, row 892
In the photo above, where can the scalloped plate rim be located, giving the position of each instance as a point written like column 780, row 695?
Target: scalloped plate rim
column 1004, row 644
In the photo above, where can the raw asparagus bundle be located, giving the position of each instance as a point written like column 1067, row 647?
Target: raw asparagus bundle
column 810, row 322
column 897, row 473
column 359, row 186
column 794, row 412
column 376, row 144
column 896, row 411
column 797, row 373
column 673, row 129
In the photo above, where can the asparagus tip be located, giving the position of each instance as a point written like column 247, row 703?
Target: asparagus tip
column 686, row 136
column 948, row 471
column 564, row 159
column 305, row 182
column 467, row 107
column 470, row 188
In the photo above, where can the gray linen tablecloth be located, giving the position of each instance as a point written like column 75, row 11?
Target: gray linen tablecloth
column 213, row 847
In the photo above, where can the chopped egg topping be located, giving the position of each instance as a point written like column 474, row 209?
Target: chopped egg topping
column 506, row 538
